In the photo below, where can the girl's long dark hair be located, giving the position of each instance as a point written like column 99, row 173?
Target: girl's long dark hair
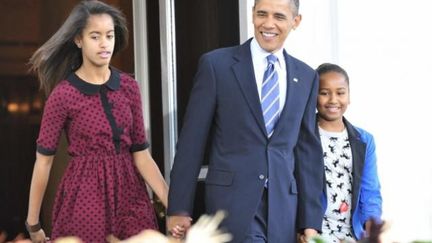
column 59, row 56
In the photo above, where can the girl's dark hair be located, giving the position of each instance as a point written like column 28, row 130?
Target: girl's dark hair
column 329, row 67
column 59, row 56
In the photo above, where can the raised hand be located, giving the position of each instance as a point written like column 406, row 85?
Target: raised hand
column 206, row 230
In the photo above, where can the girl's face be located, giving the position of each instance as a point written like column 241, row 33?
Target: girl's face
column 97, row 40
column 333, row 96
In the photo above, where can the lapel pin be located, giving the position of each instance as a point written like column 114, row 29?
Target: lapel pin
column 295, row 80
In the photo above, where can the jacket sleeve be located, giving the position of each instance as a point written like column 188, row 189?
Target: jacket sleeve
column 370, row 194
column 192, row 141
column 309, row 168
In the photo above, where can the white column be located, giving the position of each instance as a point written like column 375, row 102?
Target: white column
column 169, row 81
column 245, row 19
column 141, row 59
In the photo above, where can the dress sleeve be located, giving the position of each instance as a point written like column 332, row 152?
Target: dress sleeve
column 138, row 136
column 53, row 120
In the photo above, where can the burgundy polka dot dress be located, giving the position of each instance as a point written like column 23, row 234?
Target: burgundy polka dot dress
column 101, row 192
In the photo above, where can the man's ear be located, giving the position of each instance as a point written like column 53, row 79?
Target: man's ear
column 297, row 19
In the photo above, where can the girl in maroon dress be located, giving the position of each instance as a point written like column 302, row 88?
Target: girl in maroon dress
column 103, row 190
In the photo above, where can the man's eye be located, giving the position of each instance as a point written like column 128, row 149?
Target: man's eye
column 280, row 17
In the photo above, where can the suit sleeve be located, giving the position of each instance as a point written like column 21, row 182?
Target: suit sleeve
column 309, row 168
column 192, row 141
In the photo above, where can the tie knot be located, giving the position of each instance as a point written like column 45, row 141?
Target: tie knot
column 271, row 59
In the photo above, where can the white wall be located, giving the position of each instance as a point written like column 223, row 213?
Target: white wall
column 385, row 46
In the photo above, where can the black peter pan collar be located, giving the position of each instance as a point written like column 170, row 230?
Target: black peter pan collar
column 87, row 88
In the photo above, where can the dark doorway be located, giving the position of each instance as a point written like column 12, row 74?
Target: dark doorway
column 201, row 26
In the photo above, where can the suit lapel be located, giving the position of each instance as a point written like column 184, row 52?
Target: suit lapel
column 244, row 73
column 291, row 75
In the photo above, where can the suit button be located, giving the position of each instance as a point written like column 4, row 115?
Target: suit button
column 261, row 177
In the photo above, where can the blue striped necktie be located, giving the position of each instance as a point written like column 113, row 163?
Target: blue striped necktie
column 270, row 95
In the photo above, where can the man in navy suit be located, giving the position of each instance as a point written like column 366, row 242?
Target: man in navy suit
column 268, row 180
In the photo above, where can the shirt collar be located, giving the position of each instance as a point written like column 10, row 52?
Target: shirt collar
column 262, row 54
column 87, row 88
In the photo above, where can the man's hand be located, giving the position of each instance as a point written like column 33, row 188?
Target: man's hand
column 177, row 226
column 307, row 235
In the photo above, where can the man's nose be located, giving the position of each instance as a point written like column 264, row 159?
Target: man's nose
column 269, row 22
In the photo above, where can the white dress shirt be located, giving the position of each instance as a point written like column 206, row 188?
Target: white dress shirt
column 259, row 60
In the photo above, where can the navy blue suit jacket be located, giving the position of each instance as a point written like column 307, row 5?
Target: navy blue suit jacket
column 224, row 108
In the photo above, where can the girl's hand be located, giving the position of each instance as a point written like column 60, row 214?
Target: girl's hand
column 38, row 236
